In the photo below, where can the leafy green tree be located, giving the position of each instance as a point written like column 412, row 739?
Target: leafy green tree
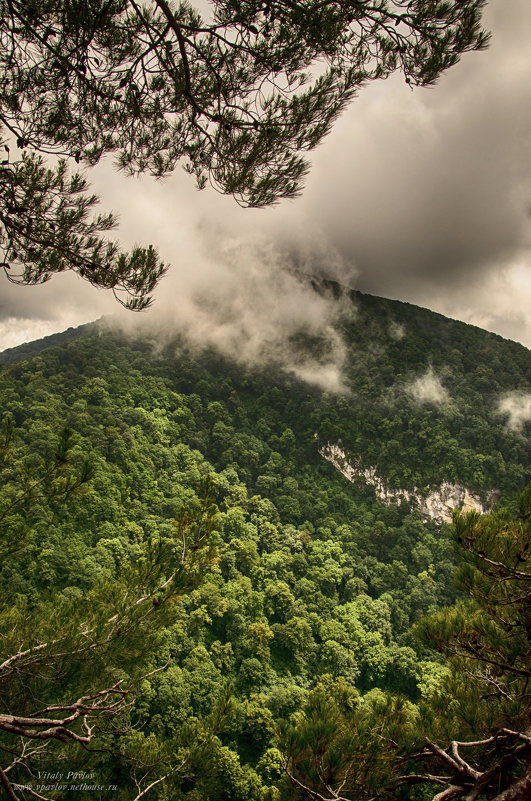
column 470, row 736
column 72, row 662
column 256, row 641
column 236, row 95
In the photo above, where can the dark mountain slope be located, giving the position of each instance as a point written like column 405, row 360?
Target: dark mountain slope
column 28, row 349
column 421, row 402
column 314, row 581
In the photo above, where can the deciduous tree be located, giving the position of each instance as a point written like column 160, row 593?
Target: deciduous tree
column 471, row 737
column 72, row 663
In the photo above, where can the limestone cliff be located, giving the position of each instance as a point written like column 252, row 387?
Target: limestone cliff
column 436, row 505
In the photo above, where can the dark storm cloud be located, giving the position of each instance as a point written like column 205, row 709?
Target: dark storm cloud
column 421, row 195
column 434, row 186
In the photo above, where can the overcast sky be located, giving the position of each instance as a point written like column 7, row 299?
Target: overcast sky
column 423, row 196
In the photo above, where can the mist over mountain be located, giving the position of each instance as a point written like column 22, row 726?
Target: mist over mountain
column 306, row 465
column 384, row 366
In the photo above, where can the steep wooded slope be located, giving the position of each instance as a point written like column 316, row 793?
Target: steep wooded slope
column 314, row 580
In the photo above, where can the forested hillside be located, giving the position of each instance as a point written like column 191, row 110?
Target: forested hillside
column 267, row 604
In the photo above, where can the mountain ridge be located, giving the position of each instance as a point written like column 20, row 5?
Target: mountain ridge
column 26, row 349
column 415, row 382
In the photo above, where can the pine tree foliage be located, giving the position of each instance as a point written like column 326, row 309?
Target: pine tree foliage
column 496, row 575
column 45, row 228
column 488, row 641
column 236, row 94
column 478, row 725
column 341, row 747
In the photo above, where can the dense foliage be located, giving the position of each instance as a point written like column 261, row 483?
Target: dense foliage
column 300, row 628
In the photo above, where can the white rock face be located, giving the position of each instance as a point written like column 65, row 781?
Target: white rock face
column 437, row 505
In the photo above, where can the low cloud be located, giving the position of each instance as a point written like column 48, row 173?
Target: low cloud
column 249, row 301
column 426, row 192
column 397, row 331
column 516, row 406
column 429, row 196
column 427, row 389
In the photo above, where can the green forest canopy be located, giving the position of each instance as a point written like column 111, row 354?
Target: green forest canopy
column 274, row 596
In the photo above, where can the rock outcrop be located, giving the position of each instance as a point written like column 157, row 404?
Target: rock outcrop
column 437, row 505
